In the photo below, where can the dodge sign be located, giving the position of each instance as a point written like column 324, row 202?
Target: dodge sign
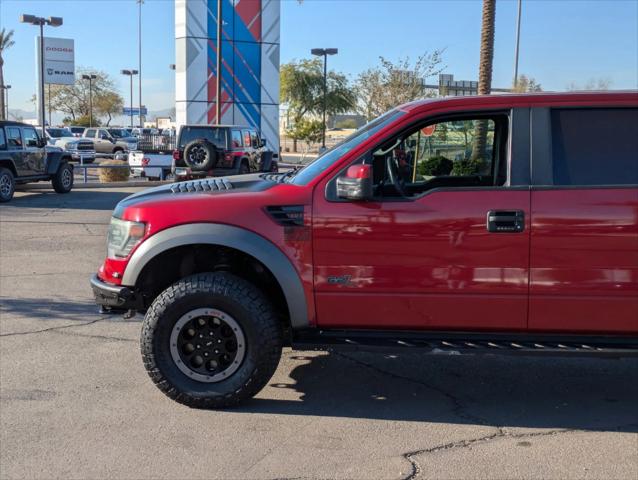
column 59, row 60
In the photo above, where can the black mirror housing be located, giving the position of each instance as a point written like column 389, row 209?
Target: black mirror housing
column 356, row 184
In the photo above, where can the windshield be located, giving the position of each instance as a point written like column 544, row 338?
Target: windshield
column 217, row 136
column 59, row 132
column 118, row 132
column 310, row 171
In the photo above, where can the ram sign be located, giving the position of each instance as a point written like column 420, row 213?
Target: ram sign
column 59, row 60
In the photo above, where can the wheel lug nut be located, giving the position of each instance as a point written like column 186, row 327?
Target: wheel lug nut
column 199, row 346
column 216, row 351
column 205, row 354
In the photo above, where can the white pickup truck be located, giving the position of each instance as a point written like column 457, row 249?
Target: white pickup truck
column 154, row 166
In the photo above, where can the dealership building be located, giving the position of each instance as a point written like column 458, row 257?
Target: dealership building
column 250, row 64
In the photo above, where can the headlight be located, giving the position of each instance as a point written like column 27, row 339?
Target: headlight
column 72, row 145
column 123, row 236
column 132, row 146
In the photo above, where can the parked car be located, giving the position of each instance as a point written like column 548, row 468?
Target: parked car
column 81, row 150
column 385, row 243
column 144, row 131
column 154, row 166
column 107, row 143
column 206, row 150
column 77, row 131
column 24, row 158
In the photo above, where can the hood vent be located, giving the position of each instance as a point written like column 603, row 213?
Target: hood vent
column 205, row 185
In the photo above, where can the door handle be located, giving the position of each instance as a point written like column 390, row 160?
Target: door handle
column 505, row 221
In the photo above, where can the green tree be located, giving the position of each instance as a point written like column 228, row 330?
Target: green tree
column 108, row 104
column 301, row 88
column 393, row 83
column 6, row 42
column 308, row 131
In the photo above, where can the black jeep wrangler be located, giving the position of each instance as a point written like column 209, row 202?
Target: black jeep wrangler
column 25, row 158
column 207, row 150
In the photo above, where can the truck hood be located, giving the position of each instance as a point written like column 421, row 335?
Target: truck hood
column 207, row 186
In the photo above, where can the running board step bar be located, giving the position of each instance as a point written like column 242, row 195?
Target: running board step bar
column 445, row 343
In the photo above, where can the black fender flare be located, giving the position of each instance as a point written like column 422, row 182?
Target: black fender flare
column 228, row 236
column 54, row 160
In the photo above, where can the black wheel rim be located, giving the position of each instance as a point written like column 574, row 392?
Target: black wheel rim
column 5, row 186
column 197, row 155
column 207, row 345
column 67, row 177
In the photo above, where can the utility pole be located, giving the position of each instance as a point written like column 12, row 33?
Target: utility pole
column 518, row 38
column 139, row 53
column 218, row 93
column 90, row 78
column 324, row 52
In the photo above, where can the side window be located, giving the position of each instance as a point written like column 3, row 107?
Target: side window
column 236, row 139
column 595, row 146
column 90, row 133
column 254, row 140
column 3, row 141
column 30, row 137
column 14, row 137
column 451, row 153
column 103, row 135
column 247, row 142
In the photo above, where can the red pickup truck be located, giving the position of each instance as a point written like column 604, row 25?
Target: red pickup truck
column 496, row 224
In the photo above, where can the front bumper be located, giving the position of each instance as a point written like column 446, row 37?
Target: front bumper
column 115, row 297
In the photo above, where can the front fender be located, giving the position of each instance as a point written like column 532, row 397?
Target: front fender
column 227, row 236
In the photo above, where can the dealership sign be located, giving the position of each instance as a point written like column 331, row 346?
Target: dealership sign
column 59, row 60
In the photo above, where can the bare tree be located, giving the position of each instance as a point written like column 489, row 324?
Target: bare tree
column 393, row 83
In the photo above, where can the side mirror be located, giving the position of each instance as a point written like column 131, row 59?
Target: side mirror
column 262, row 142
column 42, row 143
column 356, row 184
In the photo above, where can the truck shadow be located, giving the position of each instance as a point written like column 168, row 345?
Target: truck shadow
column 79, row 199
column 541, row 392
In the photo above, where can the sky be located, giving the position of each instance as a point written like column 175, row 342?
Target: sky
column 562, row 41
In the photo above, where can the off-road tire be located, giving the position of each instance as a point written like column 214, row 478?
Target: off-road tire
column 62, row 181
column 204, row 151
column 7, row 185
column 244, row 168
column 230, row 294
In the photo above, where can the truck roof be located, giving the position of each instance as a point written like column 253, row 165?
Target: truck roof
column 619, row 98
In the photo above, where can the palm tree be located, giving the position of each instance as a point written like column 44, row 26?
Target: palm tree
column 5, row 42
column 485, row 73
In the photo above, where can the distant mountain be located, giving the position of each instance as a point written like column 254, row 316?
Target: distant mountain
column 56, row 117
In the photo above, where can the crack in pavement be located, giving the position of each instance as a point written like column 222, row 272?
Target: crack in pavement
column 101, row 337
column 32, row 332
column 500, row 433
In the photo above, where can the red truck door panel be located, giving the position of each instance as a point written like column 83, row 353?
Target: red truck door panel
column 584, row 244
column 428, row 261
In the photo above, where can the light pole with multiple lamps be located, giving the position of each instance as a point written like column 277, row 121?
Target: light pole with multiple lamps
column 324, row 52
column 41, row 21
column 90, row 78
column 131, row 73
column 6, row 96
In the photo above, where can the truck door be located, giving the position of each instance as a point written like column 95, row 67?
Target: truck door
column 35, row 155
column 445, row 242
column 15, row 147
column 584, row 244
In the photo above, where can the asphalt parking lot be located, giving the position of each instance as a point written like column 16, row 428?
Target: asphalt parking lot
column 75, row 401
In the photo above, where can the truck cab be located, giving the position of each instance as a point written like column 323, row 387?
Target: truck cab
column 495, row 224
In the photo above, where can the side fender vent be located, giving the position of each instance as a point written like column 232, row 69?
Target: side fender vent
column 287, row 216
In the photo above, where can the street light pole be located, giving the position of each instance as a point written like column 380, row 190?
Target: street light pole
column 324, row 52
column 139, row 68
column 518, row 38
column 90, row 78
column 130, row 73
column 41, row 22
column 6, row 95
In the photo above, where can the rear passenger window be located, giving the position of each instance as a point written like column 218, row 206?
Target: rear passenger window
column 595, row 146
column 246, row 138
column 14, row 137
column 3, row 142
column 236, row 138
